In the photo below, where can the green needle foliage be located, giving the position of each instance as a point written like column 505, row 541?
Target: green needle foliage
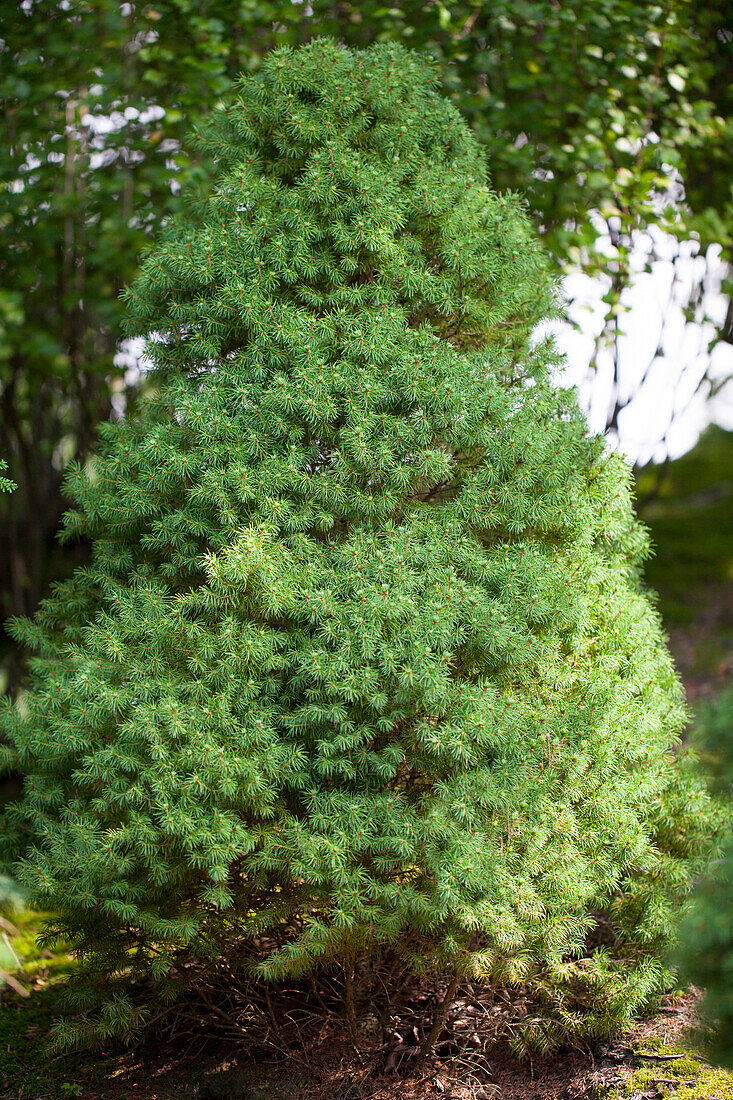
column 6, row 485
column 362, row 663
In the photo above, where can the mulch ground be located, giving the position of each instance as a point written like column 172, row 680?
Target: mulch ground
column 332, row 1072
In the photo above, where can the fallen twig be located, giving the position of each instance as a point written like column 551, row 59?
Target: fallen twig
column 9, row 946
column 15, row 985
column 671, row 1081
column 660, row 1057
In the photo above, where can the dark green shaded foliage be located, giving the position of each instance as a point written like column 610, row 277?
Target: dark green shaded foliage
column 362, row 661
column 688, row 507
column 706, row 940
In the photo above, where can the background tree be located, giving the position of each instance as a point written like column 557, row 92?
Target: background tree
column 362, row 667
column 610, row 117
column 96, row 97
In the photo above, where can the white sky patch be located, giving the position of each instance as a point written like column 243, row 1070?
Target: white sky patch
column 662, row 356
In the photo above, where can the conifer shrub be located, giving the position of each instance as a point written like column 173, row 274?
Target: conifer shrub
column 6, row 485
column 705, row 949
column 362, row 667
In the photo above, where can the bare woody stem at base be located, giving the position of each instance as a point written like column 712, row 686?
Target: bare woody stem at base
column 349, row 1007
column 438, row 1020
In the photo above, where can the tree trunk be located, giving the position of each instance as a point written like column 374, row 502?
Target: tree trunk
column 438, row 1020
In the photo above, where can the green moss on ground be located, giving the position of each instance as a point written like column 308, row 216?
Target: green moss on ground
column 27, row 1068
column 689, row 1077
column 33, row 959
column 25, row 1063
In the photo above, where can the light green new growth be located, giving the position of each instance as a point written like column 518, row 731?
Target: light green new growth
column 362, row 660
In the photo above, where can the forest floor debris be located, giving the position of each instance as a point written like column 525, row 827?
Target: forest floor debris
column 656, row 1060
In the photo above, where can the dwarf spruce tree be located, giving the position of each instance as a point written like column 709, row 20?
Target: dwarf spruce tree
column 362, row 663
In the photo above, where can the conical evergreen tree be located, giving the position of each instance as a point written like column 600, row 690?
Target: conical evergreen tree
column 362, row 662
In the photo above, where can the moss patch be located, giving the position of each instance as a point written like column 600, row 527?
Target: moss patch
column 26, row 1067
column 675, row 1070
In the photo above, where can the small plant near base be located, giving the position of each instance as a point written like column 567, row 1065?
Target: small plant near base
column 361, row 685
